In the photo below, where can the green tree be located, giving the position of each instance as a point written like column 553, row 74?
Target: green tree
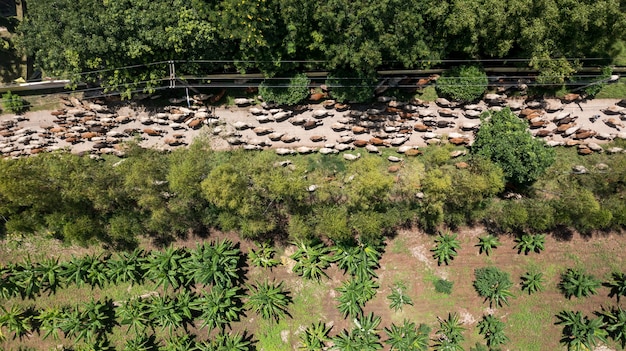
column 351, row 86
column 268, row 300
column 575, row 282
column 493, row 284
column 13, row 103
column 49, row 321
column 464, row 83
column 532, row 282
column 446, row 245
column 503, row 139
column 277, row 90
column 165, row 312
column 487, row 243
column 98, row 318
column 493, row 330
column 581, row 332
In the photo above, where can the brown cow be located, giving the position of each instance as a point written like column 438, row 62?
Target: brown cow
column 360, row 143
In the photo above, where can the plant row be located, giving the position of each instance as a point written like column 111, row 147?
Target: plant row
column 209, row 264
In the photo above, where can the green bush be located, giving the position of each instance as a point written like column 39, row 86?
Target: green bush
column 493, row 284
column 273, row 90
column 443, row 286
column 351, row 86
column 465, row 83
column 13, row 103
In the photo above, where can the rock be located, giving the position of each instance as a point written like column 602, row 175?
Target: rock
column 579, row 169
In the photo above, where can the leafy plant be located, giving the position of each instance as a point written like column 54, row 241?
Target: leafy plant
column 166, row 269
column 530, row 243
column 487, row 243
column 581, row 333
column 134, row 313
column 443, row 286
column 215, row 263
column 574, row 282
column 397, row 298
column 532, row 282
column 493, row 330
column 314, row 337
column 269, row 300
column 312, row 260
column 228, row 341
column 354, row 293
column 127, row 267
column 615, row 323
column 493, row 284
column 446, row 245
column 465, row 83
column 351, row 85
column 219, row 307
column 450, row 333
column 13, row 103
column 16, row 320
column 407, row 337
column 363, row 336
column 263, row 256
column 359, row 260
column 617, row 284
column 273, row 90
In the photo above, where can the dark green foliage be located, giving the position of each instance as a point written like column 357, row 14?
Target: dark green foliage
column 228, row 341
column 215, row 263
column 398, row 297
column 446, row 245
column 166, row 269
column 492, row 330
column 617, row 284
column 407, row 337
column 285, row 91
column 268, row 300
column 219, row 307
column 532, row 282
column 503, row 139
column 13, row 103
column 443, row 286
column 263, row 256
column 580, row 332
column 595, row 85
column 351, row 86
column 314, row 337
column 16, row 320
column 450, row 333
column 487, row 243
column 615, row 323
column 359, row 259
column 575, row 282
column 493, row 284
column 530, row 243
column 464, row 83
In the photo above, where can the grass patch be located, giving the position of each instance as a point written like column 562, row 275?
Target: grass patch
column 615, row 90
column 428, row 94
column 399, row 246
column 524, row 331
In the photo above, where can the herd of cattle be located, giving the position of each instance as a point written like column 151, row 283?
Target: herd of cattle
column 91, row 127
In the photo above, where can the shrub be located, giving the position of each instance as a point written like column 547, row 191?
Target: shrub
column 446, row 245
column 493, row 284
column 528, row 243
column 291, row 94
column 532, row 282
column 465, row 83
column 443, row 286
column 398, row 297
column 13, row 103
column 574, row 282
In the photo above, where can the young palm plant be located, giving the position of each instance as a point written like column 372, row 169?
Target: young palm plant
column 581, row 333
column 574, row 282
column 617, row 284
column 359, row 259
column 364, row 335
column 314, row 337
column 27, row 279
column 219, row 307
column 530, row 243
column 165, row 313
column 142, row 342
column 615, row 323
column 49, row 322
column 493, row 330
column 406, row 337
column 227, row 341
column 75, row 271
column 354, row 293
column 446, row 245
column 214, row 264
column 263, row 256
column 312, row 260
column 127, row 267
column 269, row 300
column 398, row 298
column 532, row 282
column 450, row 333
column 493, row 284
column 165, row 268
column 98, row 319
column 16, row 321
column 135, row 314
column 49, row 271
column 487, row 243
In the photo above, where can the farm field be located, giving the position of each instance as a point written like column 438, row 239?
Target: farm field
column 529, row 319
